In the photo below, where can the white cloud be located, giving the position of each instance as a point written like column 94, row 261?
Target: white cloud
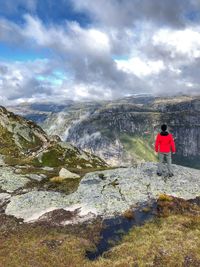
column 140, row 67
column 18, row 78
column 68, row 38
column 186, row 42
column 95, row 92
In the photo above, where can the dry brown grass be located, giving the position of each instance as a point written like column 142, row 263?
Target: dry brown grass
column 172, row 241
column 57, row 179
column 164, row 197
column 167, row 242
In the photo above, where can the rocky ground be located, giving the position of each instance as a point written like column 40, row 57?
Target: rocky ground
column 42, row 225
column 101, row 193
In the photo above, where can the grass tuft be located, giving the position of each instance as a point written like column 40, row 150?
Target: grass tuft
column 57, row 179
column 164, row 197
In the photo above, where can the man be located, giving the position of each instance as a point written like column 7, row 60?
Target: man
column 164, row 144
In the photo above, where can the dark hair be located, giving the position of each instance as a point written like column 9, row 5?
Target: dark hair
column 164, row 127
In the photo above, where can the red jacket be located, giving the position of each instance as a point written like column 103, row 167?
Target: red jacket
column 165, row 143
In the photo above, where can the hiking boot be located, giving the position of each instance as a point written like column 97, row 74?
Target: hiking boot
column 159, row 174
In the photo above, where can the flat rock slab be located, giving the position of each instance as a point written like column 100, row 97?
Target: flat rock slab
column 110, row 192
column 10, row 181
column 36, row 177
column 33, row 205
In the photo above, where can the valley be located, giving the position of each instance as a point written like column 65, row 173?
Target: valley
column 122, row 131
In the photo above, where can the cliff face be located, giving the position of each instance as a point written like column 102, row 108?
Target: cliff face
column 118, row 134
column 123, row 131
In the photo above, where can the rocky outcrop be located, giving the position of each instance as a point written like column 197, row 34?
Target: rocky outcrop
column 19, row 136
column 24, row 142
column 108, row 193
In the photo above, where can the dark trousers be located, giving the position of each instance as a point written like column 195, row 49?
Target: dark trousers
column 162, row 157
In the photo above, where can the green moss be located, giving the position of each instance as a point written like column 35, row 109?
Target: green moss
column 7, row 143
column 52, row 158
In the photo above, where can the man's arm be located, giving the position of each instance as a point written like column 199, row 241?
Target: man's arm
column 173, row 144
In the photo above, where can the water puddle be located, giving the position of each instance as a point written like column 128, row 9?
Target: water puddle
column 115, row 228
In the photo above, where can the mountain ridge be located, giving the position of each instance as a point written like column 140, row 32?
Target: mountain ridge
column 24, row 142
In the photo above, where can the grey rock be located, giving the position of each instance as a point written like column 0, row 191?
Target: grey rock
column 37, row 177
column 4, row 197
column 122, row 188
column 79, row 167
column 64, row 173
column 2, row 163
column 17, row 171
column 9, row 181
column 88, row 165
column 46, row 168
column 34, row 204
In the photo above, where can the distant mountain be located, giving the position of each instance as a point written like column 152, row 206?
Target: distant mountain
column 24, row 142
column 123, row 131
column 38, row 112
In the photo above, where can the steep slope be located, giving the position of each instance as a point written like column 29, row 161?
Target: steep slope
column 23, row 142
column 18, row 136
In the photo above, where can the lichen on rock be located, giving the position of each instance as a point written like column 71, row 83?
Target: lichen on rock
column 123, row 188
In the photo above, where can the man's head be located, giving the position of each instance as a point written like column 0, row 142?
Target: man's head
column 164, row 127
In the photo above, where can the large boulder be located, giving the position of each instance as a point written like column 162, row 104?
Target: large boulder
column 64, row 173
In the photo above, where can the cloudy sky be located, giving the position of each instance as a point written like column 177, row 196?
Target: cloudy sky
column 98, row 49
